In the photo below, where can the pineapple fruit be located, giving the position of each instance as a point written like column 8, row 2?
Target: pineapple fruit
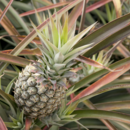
column 41, row 86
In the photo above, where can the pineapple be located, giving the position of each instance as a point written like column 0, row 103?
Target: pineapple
column 41, row 86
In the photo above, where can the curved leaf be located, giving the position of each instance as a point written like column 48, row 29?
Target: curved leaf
column 9, row 101
column 14, row 59
column 99, row 114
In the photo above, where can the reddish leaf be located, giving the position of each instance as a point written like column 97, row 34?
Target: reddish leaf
column 103, row 81
column 124, row 51
column 14, row 59
column 97, row 5
column 35, row 51
column 28, row 123
column 76, row 12
column 36, row 39
column 92, row 62
column 2, row 125
column 44, row 8
column 5, row 10
column 8, row 26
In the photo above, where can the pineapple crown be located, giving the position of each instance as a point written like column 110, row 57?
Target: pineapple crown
column 57, row 53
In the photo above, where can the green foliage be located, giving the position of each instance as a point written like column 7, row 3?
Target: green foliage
column 107, row 105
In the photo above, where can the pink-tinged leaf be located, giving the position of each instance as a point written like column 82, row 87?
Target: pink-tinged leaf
column 44, row 8
column 35, row 51
column 14, row 59
column 81, row 27
column 5, row 10
column 46, row 127
column 97, row 5
column 92, row 62
column 75, row 14
column 8, row 26
column 28, row 123
column 123, row 50
column 103, row 81
column 2, row 125
column 35, row 40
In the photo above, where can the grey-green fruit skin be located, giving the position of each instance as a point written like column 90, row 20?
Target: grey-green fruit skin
column 36, row 100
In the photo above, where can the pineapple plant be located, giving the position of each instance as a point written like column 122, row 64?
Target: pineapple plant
column 42, row 85
column 55, row 90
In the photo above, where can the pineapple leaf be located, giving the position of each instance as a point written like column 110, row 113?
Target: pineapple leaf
column 67, row 47
column 78, row 50
column 70, row 108
column 54, row 30
column 59, row 58
column 20, row 118
column 64, row 36
column 13, row 119
column 8, row 88
column 58, row 66
column 100, row 114
column 3, row 114
column 75, row 55
column 9, row 101
column 12, row 125
column 42, row 37
column 72, row 31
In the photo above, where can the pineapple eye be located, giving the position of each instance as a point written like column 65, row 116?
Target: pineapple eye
column 32, row 90
column 31, row 81
column 44, row 98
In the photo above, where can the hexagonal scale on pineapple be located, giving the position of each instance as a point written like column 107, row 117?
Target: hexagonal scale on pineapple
column 49, row 111
column 24, row 85
column 33, row 114
column 57, row 94
column 58, row 100
column 18, row 91
column 49, row 106
column 44, row 98
column 25, row 75
column 29, row 103
column 17, row 102
column 40, row 104
column 35, row 109
column 32, row 90
column 51, row 101
column 41, row 88
column 43, row 115
column 35, row 98
column 25, row 95
column 50, row 93
column 29, row 68
column 21, row 101
column 27, row 109
column 31, row 81
column 18, row 83
column 43, row 111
